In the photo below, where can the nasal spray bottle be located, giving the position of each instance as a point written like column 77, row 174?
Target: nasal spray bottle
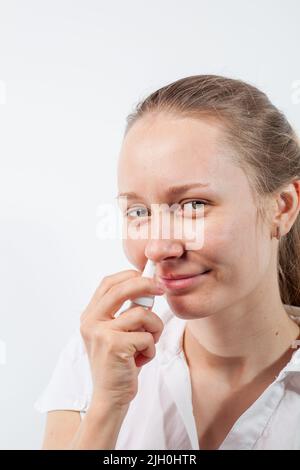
column 146, row 302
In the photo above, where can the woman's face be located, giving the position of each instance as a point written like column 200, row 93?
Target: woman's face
column 161, row 152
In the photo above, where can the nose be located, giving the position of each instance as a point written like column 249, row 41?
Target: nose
column 165, row 244
column 159, row 250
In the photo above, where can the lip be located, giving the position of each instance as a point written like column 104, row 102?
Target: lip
column 181, row 282
column 180, row 276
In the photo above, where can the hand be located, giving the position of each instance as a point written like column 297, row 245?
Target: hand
column 118, row 347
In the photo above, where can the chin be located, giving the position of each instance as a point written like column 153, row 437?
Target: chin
column 187, row 310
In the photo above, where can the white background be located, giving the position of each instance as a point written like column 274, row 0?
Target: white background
column 70, row 72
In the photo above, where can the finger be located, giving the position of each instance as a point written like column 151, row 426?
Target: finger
column 106, row 283
column 130, row 289
column 143, row 343
column 139, row 319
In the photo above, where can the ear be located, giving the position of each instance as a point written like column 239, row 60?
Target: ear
column 287, row 205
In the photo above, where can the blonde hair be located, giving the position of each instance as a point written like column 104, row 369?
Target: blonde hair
column 263, row 142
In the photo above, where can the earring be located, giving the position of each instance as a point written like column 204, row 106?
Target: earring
column 277, row 233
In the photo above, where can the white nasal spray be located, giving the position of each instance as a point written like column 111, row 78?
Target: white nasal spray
column 146, row 302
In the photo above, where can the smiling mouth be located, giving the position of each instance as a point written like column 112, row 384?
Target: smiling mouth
column 182, row 276
column 180, row 282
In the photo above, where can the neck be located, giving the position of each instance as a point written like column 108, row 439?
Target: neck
column 242, row 340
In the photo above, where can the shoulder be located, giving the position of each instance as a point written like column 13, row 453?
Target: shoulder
column 70, row 383
column 293, row 312
column 74, row 347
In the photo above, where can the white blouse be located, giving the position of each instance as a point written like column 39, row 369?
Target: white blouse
column 161, row 415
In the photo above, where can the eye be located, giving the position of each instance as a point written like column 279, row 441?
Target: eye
column 144, row 212
column 138, row 209
column 196, row 205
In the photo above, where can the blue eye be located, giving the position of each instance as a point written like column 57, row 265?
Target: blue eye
column 138, row 209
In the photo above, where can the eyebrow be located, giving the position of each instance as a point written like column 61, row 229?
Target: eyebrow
column 172, row 190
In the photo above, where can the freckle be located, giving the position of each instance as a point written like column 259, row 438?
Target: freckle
column 276, row 333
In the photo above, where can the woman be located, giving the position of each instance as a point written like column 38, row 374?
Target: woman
column 225, row 371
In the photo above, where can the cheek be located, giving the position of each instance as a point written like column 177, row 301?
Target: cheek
column 227, row 244
column 239, row 252
column 219, row 238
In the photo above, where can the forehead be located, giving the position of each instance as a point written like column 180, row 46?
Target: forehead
column 164, row 150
